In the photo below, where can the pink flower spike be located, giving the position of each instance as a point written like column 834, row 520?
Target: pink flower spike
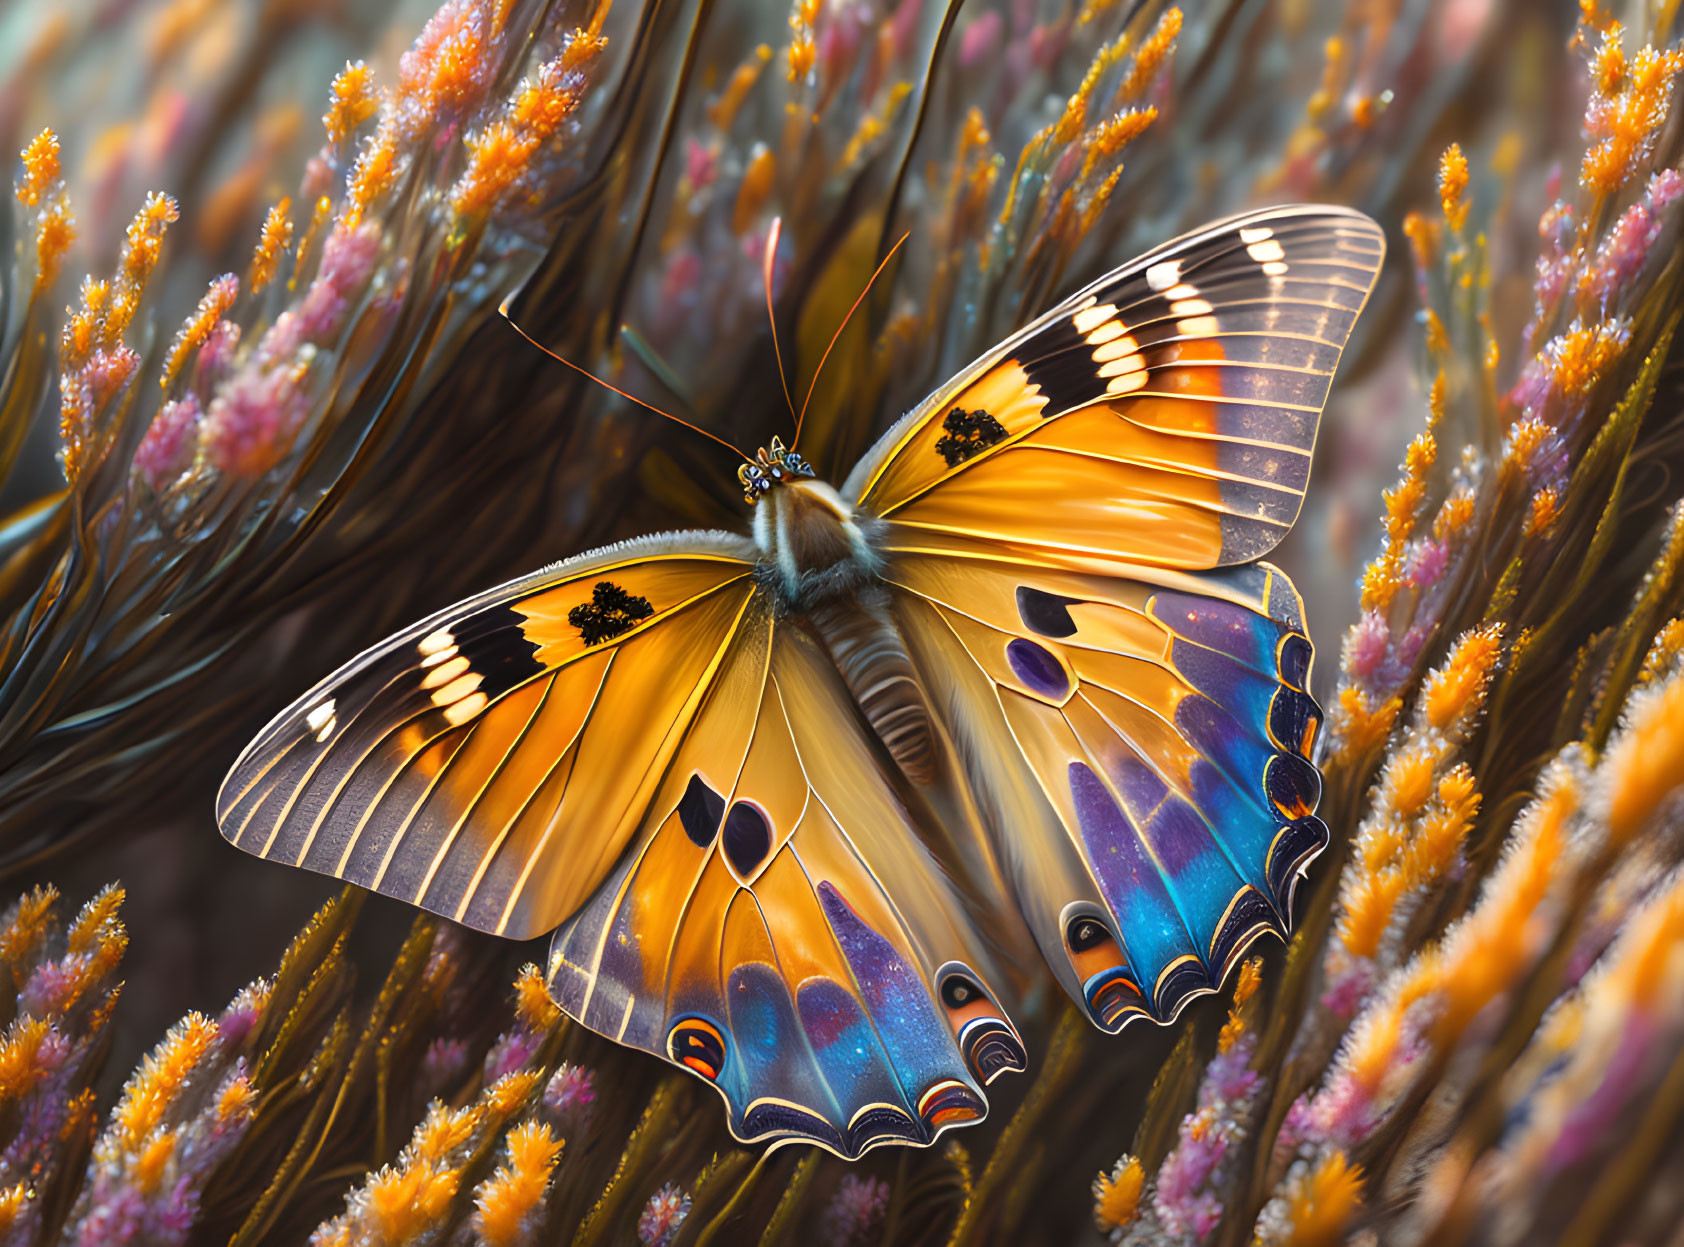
column 166, row 450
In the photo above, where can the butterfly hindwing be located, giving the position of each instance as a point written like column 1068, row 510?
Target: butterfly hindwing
column 1139, row 745
column 779, row 929
column 491, row 762
column 1164, row 415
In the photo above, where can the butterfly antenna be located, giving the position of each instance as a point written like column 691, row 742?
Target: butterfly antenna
column 766, row 261
column 813, row 385
column 503, row 311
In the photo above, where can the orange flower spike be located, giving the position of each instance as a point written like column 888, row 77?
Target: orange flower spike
column 237, row 1100
column 1250, row 978
column 723, row 111
column 144, row 238
column 1454, row 515
column 1407, row 784
column 1580, row 357
column 40, row 169
column 1440, row 835
column 532, row 1000
column 213, row 304
column 755, row 189
column 272, row 243
column 1364, row 727
column 1423, row 238
column 1438, row 341
column 1368, row 912
column 403, row 1202
column 508, row 1197
column 1608, row 67
column 1646, row 762
column 373, row 174
column 500, row 155
column 1455, row 692
column 352, row 101
column 54, row 232
column 1320, row 1207
column 1453, row 186
column 1628, row 108
column 97, row 921
column 510, row 1091
column 153, row 1162
column 19, row 1049
column 29, row 926
column 444, row 1130
column 1542, row 513
column 1110, row 137
column 154, row 1086
column 1668, row 645
column 13, row 1200
column 1116, row 1195
column 1151, row 56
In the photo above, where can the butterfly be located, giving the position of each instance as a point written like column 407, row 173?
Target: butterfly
column 787, row 797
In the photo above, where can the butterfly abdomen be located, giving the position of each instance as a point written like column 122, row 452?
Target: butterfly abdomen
column 867, row 649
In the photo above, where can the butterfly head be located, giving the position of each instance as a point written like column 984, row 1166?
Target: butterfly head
column 773, row 465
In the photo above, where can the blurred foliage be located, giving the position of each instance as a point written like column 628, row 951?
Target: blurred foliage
column 218, row 486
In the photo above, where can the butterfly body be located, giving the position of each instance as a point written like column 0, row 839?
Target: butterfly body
column 819, row 564
column 1037, row 600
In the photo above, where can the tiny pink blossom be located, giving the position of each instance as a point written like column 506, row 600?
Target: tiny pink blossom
column 854, row 1216
column 166, row 449
column 981, row 39
column 662, row 1216
column 1426, row 564
column 1366, row 644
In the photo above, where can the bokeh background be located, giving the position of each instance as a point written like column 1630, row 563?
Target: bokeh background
column 258, row 409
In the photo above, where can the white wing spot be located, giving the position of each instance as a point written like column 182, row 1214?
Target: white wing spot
column 1275, row 268
column 322, row 720
column 1110, row 329
column 1186, row 290
column 1091, row 318
column 457, row 689
column 1163, row 275
column 433, row 642
column 1190, row 307
column 1115, row 350
column 1126, row 384
column 1257, row 233
column 1197, row 327
column 1263, row 252
column 1121, row 367
column 445, row 672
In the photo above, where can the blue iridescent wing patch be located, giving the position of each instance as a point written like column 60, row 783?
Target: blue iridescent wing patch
column 1139, row 746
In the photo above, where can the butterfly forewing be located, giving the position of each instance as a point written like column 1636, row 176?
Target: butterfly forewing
column 1165, row 415
column 449, row 766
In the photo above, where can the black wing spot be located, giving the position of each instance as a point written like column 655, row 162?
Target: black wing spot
column 699, row 809
column 968, row 433
column 610, row 612
column 747, row 837
column 497, row 649
column 1046, row 613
